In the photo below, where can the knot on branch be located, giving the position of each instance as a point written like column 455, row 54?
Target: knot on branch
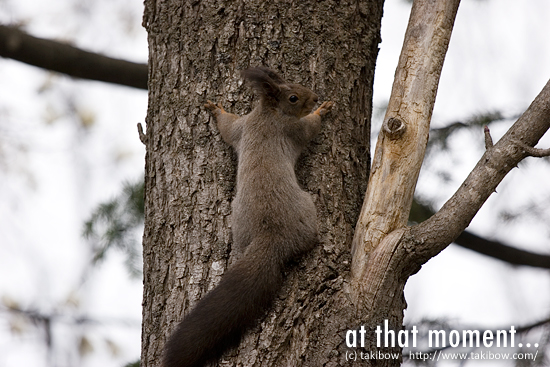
column 394, row 128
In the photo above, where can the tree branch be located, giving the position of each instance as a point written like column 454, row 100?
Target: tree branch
column 488, row 139
column 495, row 249
column 501, row 251
column 402, row 141
column 434, row 234
column 532, row 151
column 66, row 59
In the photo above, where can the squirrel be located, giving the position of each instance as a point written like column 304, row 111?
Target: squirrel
column 273, row 220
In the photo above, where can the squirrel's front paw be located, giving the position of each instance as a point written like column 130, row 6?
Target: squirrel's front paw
column 324, row 108
column 215, row 109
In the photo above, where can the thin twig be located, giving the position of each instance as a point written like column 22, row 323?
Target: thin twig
column 142, row 135
column 488, row 139
column 532, row 151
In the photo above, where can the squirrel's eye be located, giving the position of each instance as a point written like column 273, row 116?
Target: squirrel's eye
column 293, row 99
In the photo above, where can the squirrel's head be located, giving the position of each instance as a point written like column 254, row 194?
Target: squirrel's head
column 275, row 92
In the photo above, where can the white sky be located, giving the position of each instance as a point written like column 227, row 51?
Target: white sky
column 53, row 173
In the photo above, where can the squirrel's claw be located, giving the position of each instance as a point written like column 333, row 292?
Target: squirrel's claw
column 214, row 108
column 324, row 108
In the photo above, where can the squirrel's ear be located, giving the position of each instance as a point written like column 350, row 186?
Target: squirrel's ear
column 263, row 80
column 272, row 74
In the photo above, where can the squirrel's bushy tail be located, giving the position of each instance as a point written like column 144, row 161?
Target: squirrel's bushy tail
column 245, row 291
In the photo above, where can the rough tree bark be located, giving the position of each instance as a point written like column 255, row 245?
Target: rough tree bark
column 60, row 57
column 196, row 49
column 376, row 289
column 385, row 252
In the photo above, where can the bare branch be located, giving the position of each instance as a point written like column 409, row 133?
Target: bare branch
column 66, row 59
column 402, row 252
column 532, row 151
column 402, row 141
column 142, row 136
column 436, row 233
column 488, row 139
column 495, row 249
column 440, row 135
column 44, row 317
column 503, row 252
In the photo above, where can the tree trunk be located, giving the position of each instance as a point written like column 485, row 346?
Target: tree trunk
column 196, row 51
column 380, row 265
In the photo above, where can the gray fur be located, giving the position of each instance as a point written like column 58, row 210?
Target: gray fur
column 273, row 219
